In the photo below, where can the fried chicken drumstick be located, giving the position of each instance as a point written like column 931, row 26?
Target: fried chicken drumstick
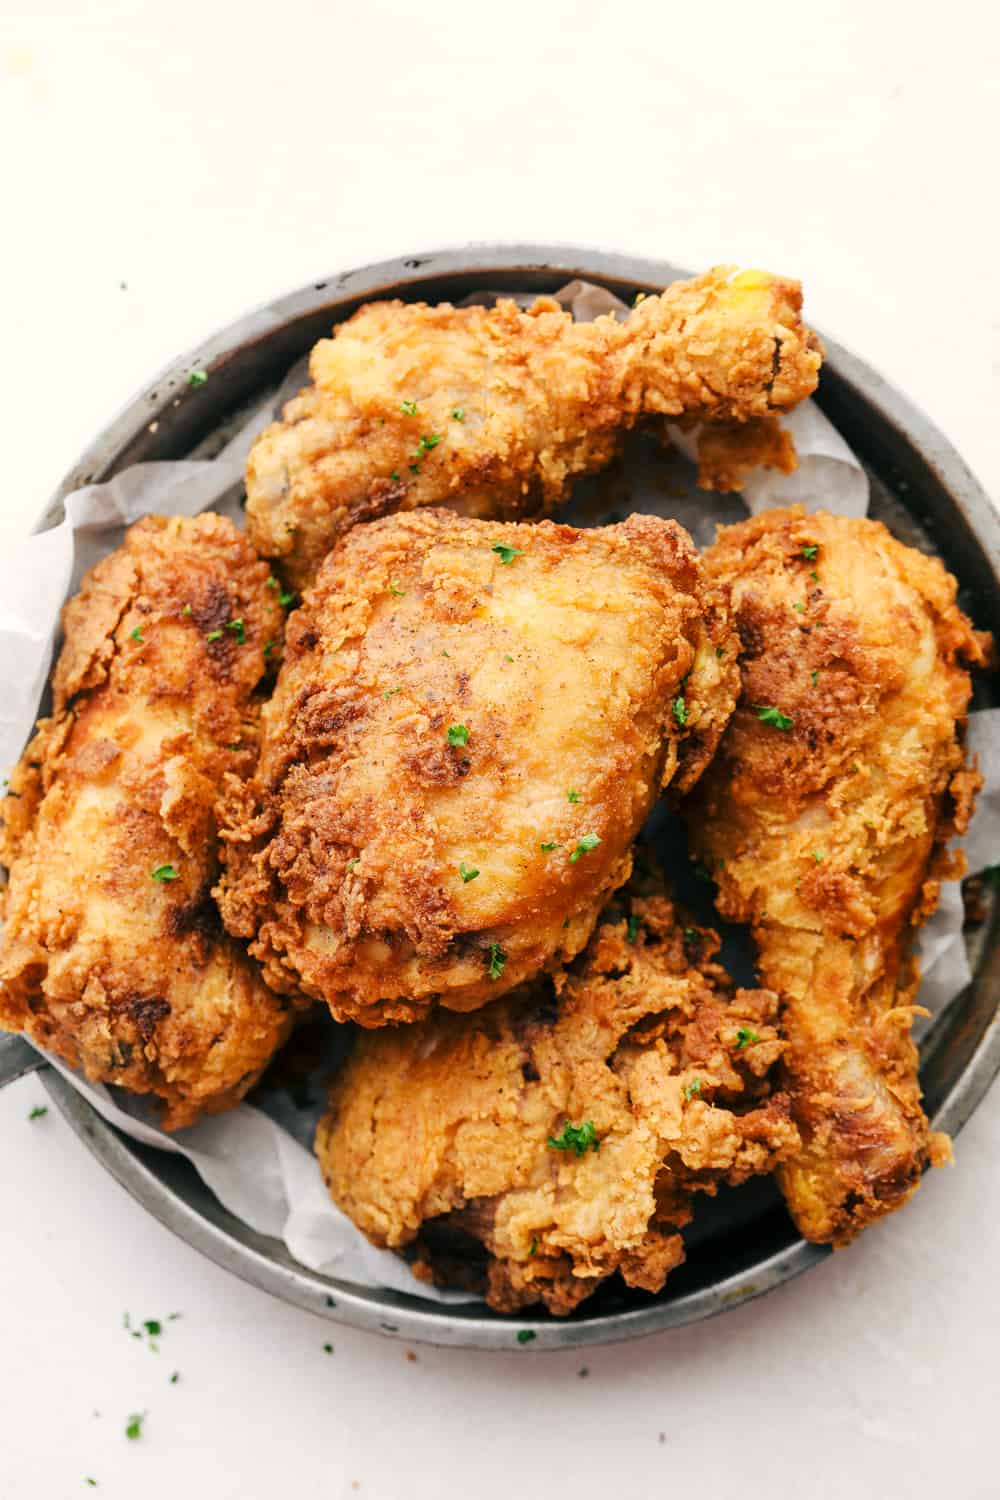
column 112, row 954
column 471, row 724
column 823, row 820
column 560, row 1134
column 494, row 411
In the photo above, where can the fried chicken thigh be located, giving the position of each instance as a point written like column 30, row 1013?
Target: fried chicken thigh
column 494, row 411
column 823, row 820
column 112, row 954
column 470, row 726
column 560, row 1134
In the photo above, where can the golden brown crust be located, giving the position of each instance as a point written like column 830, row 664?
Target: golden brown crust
column 438, row 1135
column 589, row 670
column 822, row 834
column 539, row 400
column 130, row 978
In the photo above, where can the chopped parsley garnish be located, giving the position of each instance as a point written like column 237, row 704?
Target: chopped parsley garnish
column 506, row 554
column 572, row 796
column 414, row 468
column 548, row 848
column 38, row 1111
column 272, row 582
column 815, row 677
column 498, row 959
column 773, row 716
column 391, row 692
column 799, row 606
column 213, row 635
column 508, row 658
column 238, row 629
column 584, row 846
column 702, row 872
column 136, row 634
column 427, row 442
column 720, row 652
column 394, row 476
column 165, row 872
column 134, row 1427
column 408, row 408
column 268, row 648
column 818, row 856
column 186, row 610
column 814, row 577
column 632, row 929
column 576, row 1138
column 352, row 864
column 692, row 1088
column 745, row 1036
column 534, row 1244
column 396, row 591
column 526, row 1335
column 197, row 377
column 458, row 734
column 458, row 412
column 467, row 872
column 286, row 599
column 680, row 711
column 809, row 553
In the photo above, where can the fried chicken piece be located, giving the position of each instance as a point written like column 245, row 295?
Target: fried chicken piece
column 729, row 451
column 494, row 411
column 823, row 820
column 112, row 954
column 470, row 726
column 534, row 1148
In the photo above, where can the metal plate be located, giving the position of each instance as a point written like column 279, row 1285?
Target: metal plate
column 920, row 487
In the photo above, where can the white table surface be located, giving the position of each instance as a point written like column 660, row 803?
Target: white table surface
column 167, row 167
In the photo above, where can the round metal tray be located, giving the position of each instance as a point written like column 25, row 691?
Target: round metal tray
column 920, row 487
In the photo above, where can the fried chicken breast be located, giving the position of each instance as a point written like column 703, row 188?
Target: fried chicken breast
column 534, row 1148
column 823, row 819
column 494, row 411
column 112, row 955
column 470, row 726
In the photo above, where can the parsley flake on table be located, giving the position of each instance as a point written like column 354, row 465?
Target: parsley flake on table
column 38, row 1111
column 506, row 554
column 327, row 1348
column 197, row 377
column 584, row 846
column 467, row 872
column 632, row 929
column 458, row 734
column 175, row 1377
column 680, row 711
column 498, row 960
column 136, row 634
column 153, row 1327
column 91, row 1482
column 809, row 553
column 165, row 872
column 548, row 847
column 576, row 1138
column 526, row 1335
column 745, row 1036
column 408, row 408
column 773, row 716
column 134, row 1428
column 572, row 796
column 458, row 412
column 692, row 1088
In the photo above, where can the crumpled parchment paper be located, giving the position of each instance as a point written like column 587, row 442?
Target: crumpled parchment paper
column 257, row 1161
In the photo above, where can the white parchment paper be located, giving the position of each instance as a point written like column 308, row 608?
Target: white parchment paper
column 257, row 1161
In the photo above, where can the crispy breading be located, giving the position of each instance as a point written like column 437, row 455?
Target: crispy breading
column 494, row 411
column 442, row 1137
column 470, row 726
column 128, row 976
column 822, row 819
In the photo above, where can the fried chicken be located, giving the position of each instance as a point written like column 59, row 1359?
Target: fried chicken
column 823, row 820
column 494, row 411
column 470, row 726
column 112, row 955
column 534, row 1148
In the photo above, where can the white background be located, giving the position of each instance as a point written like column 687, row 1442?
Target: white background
column 210, row 156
